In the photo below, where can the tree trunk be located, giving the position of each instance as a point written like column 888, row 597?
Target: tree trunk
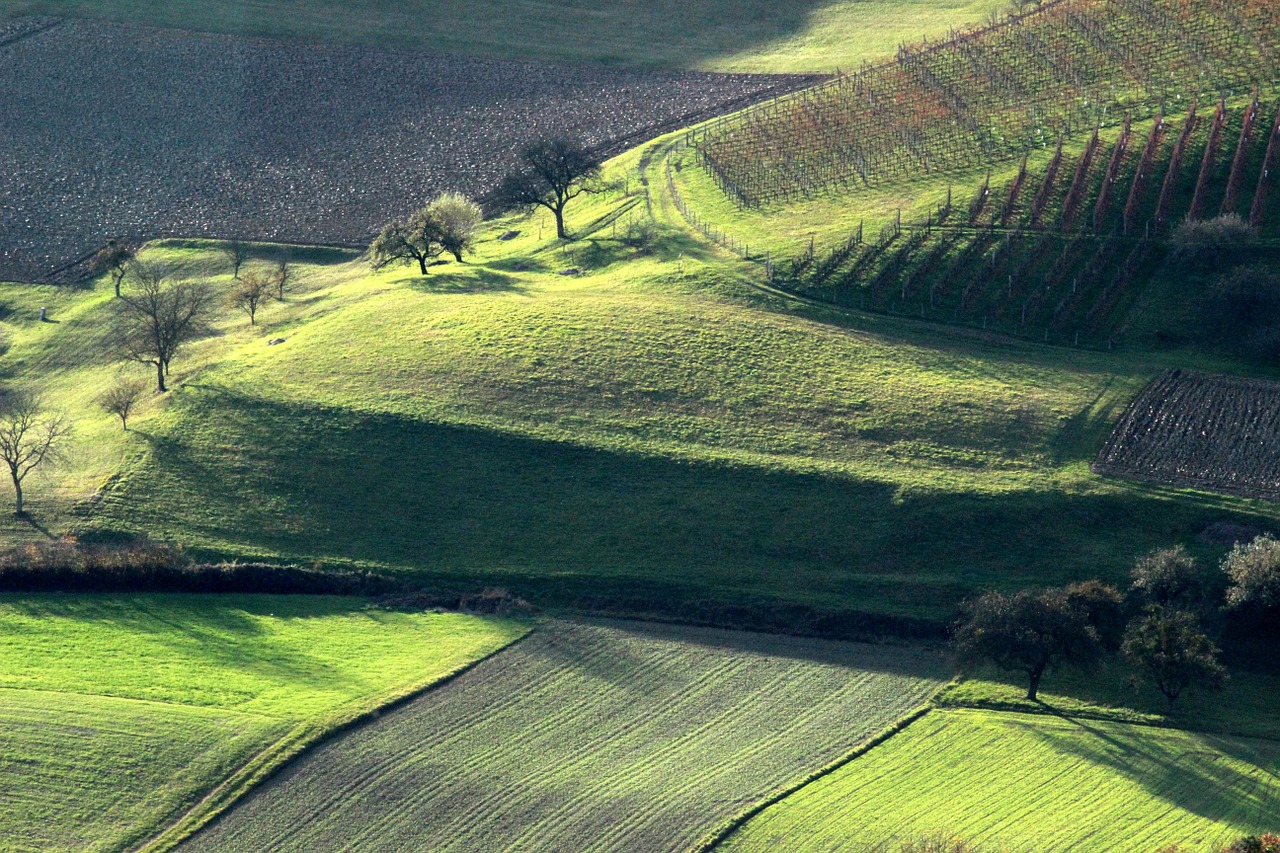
column 160, row 376
column 422, row 263
column 1033, row 686
column 17, row 492
column 117, row 279
column 457, row 254
column 560, row 232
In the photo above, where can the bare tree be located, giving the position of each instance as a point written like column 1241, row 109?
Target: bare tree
column 29, row 435
column 121, row 398
column 456, row 218
column 282, row 274
column 250, row 293
column 115, row 259
column 551, row 174
column 159, row 318
column 416, row 238
column 236, row 252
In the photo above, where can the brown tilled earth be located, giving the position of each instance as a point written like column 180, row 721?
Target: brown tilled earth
column 1198, row 430
column 110, row 130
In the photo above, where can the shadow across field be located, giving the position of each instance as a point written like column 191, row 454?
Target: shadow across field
column 572, row 525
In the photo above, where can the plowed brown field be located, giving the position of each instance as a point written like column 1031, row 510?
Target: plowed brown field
column 1197, row 430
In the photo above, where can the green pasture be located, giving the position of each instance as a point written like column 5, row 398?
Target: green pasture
column 1022, row 782
column 586, row 737
column 125, row 715
column 757, row 36
column 657, row 432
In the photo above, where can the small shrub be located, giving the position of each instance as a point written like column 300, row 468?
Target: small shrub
column 1209, row 244
column 639, row 235
column 1268, row 843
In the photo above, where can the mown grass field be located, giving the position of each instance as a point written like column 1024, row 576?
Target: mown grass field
column 655, row 433
column 586, row 737
column 1032, row 782
column 761, row 36
column 121, row 715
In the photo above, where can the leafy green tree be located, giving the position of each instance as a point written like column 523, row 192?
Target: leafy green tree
column 1254, row 571
column 1168, row 577
column 551, row 173
column 1027, row 632
column 417, row 237
column 457, row 218
column 1172, row 651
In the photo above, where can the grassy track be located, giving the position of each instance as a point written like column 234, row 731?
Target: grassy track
column 765, row 36
column 120, row 713
column 586, row 737
column 1032, row 782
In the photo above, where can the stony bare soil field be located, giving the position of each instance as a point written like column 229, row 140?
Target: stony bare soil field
column 585, row 738
column 112, row 130
column 1219, row 433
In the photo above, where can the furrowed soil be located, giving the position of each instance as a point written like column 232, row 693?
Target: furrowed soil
column 1187, row 429
column 586, row 737
column 115, row 131
column 1022, row 782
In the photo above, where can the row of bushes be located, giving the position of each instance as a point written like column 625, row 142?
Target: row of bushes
column 1268, row 843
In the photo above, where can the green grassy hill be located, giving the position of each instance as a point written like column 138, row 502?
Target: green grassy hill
column 125, row 714
column 656, row 433
column 760, row 36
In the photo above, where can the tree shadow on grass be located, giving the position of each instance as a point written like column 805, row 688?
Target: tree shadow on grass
column 1194, row 779
column 468, row 280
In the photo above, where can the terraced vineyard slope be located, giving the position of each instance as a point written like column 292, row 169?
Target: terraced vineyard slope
column 1026, row 782
column 1062, row 247
column 1220, row 433
column 121, row 714
column 988, row 95
column 586, row 737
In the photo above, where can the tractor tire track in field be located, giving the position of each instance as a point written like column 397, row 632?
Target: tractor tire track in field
column 586, row 736
column 110, row 130
column 1197, row 430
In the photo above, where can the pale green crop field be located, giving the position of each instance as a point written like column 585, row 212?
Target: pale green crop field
column 119, row 715
column 586, row 737
column 1027, row 782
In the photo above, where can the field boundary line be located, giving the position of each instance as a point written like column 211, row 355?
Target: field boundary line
column 25, row 34
column 718, row 836
column 300, row 740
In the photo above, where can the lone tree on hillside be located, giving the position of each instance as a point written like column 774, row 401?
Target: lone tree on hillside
column 250, row 293
column 282, row 273
column 236, row 252
column 158, row 318
column 551, row 174
column 456, row 218
column 1028, row 632
column 1172, row 652
column 121, row 398
column 29, row 435
column 415, row 238
column 115, row 259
